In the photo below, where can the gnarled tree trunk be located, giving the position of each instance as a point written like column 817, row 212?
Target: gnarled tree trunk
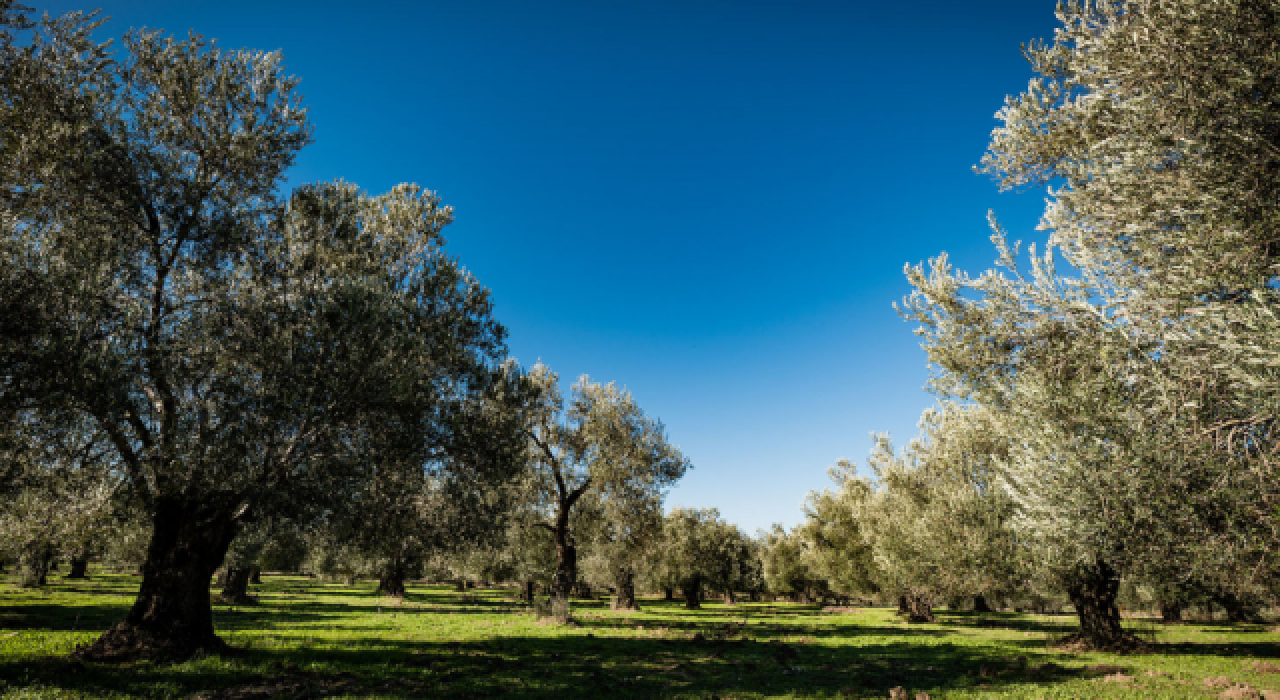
column 624, row 577
column 1239, row 608
column 235, row 587
column 391, row 582
column 1093, row 593
column 980, row 604
column 79, row 566
column 919, row 609
column 692, row 589
column 171, row 617
column 35, row 567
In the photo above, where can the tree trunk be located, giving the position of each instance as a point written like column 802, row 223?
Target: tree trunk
column 625, row 579
column 668, row 593
column 566, row 562
column 919, row 609
column 1093, row 594
column 391, row 583
column 980, row 604
column 171, row 617
column 236, row 586
column 528, row 592
column 36, row 564
column 255, row 576
column 692, row 589
column 79, row 566
column 461, row 586
column 903, row 608
column 1238, row 609
column 728, row 597
column 1171, row 611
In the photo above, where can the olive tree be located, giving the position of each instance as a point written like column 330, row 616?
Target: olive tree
column 246, row 353
column 834, row 544
column 600, row 443
column 1139, row 390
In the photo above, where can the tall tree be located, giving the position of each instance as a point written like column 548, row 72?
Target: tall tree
column 246, row 354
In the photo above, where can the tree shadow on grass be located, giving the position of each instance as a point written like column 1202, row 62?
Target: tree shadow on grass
column 573, row 665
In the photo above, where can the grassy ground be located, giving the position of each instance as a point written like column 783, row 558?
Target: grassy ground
column 308, row 639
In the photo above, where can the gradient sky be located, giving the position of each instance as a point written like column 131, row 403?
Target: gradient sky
column 708, row 202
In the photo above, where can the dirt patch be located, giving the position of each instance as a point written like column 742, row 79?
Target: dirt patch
column 1118, row 678
column 1218, row 682
column 1240, row 691
column 1263, row 667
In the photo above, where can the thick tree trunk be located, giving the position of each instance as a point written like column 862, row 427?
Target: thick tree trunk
column 692, row 590
column 668, row 593
column 391, row 582
column 79, row 566
column 1170, row 611
column 255, row 576
column 625, row 579
column 527, row 596
column 1239, row 609
column 235, row 588
column 35, row 567
column 919, row 609
column 980, row 604
column 728, row 597
column 566, row 561
column 1093, row 594
column 171, row 617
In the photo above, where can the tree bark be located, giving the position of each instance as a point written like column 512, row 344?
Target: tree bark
column 255, row 576
column 1239, row 609
column 728, row 597
column 528, row 592
column 1171, row 611
column 1093, row 593
column 79, row 566
column 692, row 589
column 919, row 609
column 980, row 604
column 35, row 570
column 235, row 588
column 391, row 582
column 625, row 579
column 566, row 562
column 903, row 608
column 171, row 617
column 668, row 593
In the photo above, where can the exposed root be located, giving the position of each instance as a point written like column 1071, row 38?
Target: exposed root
column 1126, row 644
column 125, row 642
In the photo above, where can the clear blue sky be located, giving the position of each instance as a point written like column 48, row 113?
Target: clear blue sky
column 708, row 202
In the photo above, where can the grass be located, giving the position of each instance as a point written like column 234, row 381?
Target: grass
column 304, row 638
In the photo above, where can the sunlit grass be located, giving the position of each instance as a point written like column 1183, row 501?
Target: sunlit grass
column 308, row 638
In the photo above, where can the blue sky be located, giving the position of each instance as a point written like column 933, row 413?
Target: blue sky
column 710, row 202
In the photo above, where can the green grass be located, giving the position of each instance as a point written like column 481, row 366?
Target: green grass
column 304, row 638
